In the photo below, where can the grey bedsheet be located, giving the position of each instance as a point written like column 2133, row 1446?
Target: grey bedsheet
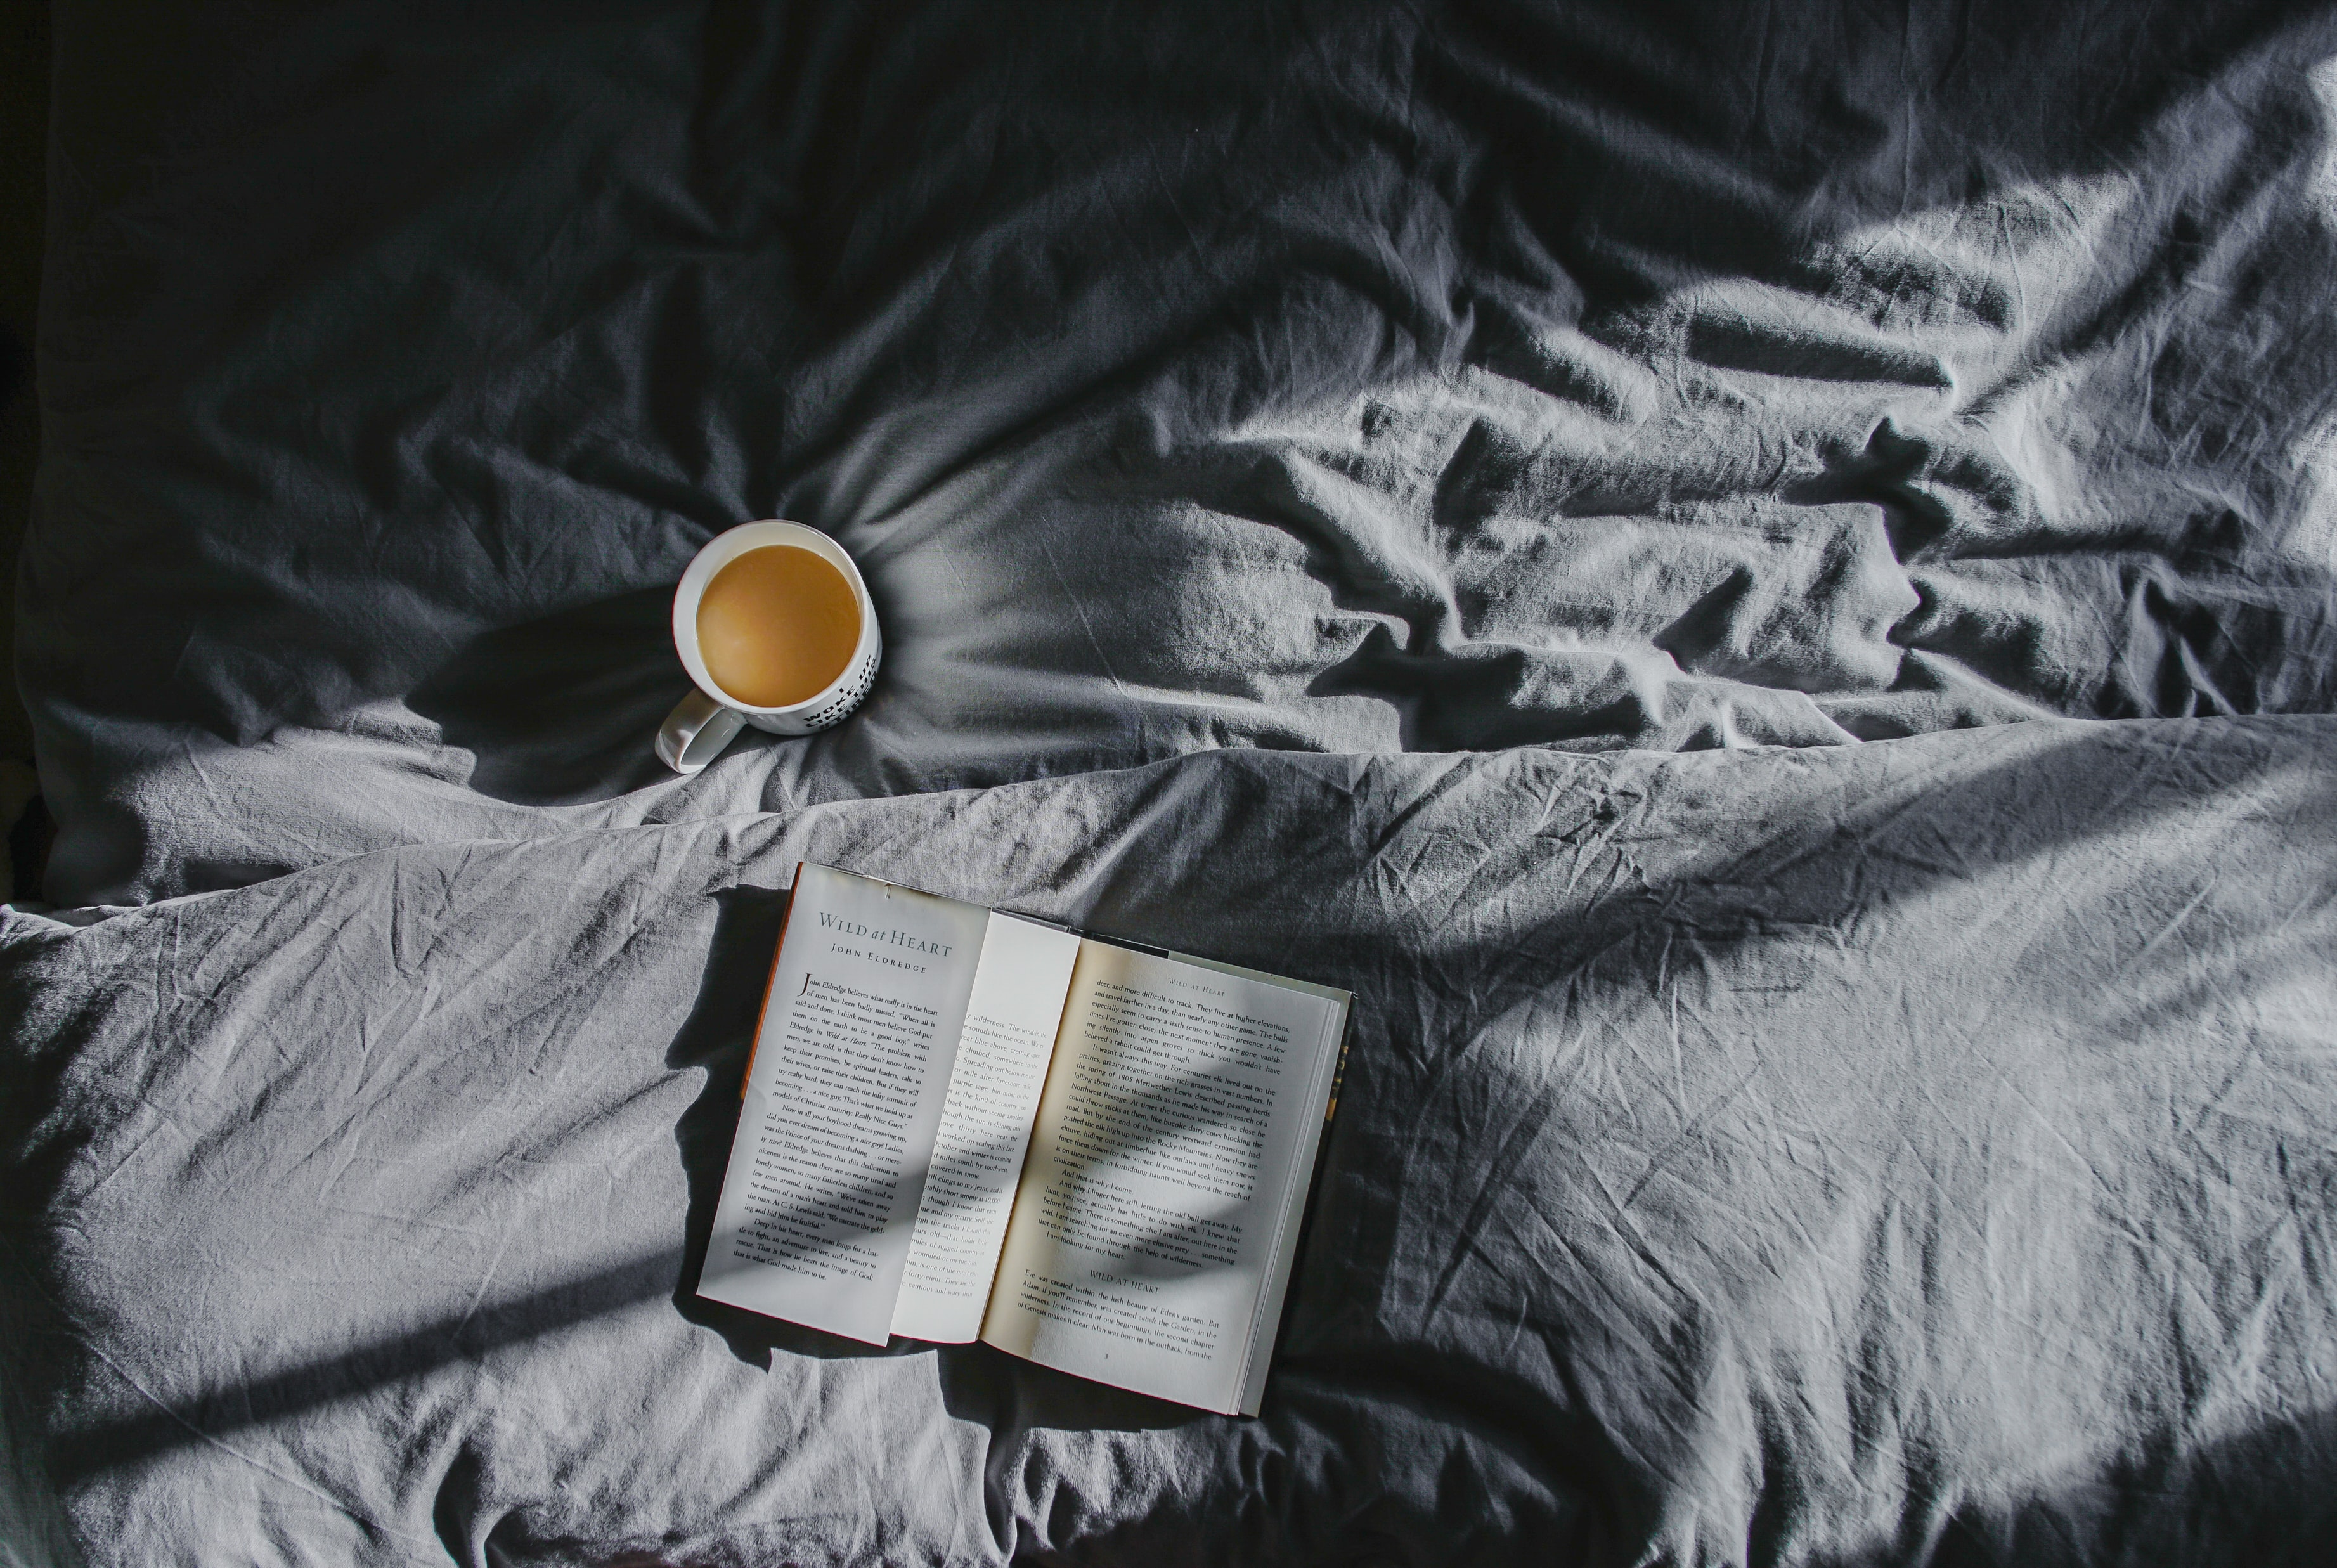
column 1917, row 1153
column 1342, row 377
column 1540, row 514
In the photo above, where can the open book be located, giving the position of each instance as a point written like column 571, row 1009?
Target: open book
column 963, row 1124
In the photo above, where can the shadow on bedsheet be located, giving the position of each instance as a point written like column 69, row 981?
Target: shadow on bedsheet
column 562, row 709
column 2257, row 1500
column 2260, row 1499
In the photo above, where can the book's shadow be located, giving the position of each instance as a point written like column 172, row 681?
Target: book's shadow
column 977, row 1383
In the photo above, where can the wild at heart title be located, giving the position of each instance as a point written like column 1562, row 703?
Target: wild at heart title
column 894, row 937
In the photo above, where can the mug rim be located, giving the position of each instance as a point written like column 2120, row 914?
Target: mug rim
column 728, row 546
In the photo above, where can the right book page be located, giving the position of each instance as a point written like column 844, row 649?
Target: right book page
column 1152, row 1232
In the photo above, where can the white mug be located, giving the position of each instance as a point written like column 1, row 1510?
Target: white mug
column 703, row 722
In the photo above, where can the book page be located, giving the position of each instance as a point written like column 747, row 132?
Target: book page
column 1152, row 1234
column 843, row 1099
column 1011, row 1019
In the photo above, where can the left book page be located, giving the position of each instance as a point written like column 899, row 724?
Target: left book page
column 843, row 1099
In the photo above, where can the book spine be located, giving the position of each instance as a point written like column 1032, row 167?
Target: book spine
column 1339, row 1071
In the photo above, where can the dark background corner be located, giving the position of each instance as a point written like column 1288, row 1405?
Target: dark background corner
column 24, row 154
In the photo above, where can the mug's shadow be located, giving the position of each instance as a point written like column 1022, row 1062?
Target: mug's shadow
column 563, row 709
column 977, row 1383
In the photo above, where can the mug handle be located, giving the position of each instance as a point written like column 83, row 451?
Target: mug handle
column 696, row 731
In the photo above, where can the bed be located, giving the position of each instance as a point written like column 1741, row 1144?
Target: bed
column 1757, row 582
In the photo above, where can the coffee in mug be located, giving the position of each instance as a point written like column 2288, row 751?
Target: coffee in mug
column 775, row 629
column 777, row 626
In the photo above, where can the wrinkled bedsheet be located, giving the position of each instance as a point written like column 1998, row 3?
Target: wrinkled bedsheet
column 1907, row 1153
column 1355, row 377
column 1761, row 583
